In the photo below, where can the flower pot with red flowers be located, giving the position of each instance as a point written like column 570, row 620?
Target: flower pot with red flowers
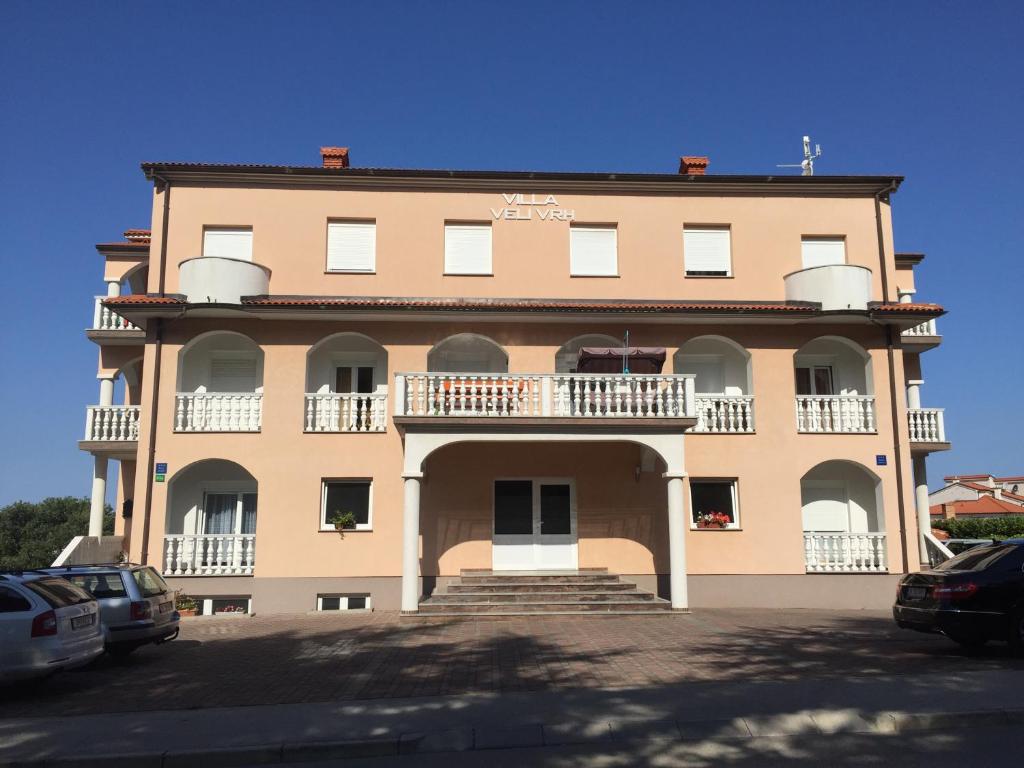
column 713, row 520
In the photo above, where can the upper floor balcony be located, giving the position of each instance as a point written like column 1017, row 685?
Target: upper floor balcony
column 922, row 337
column 108, row 327
column 927, row 428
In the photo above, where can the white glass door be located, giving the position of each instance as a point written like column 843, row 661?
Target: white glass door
column 534, row 525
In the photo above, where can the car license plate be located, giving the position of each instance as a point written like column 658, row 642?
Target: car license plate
column 78, row 622
column 916, row 593
column 166, row 607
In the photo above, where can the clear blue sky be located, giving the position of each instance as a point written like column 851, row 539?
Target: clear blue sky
column 931, row 90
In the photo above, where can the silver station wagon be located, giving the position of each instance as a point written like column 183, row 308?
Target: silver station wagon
column 136, row 605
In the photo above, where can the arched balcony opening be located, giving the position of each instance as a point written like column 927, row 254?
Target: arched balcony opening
column 834, row 387
column 210, row 521
column 843, row 519
column 346, row 385
column 724, row 383
column 568, row 354
column 467, row 353
column 220, row 384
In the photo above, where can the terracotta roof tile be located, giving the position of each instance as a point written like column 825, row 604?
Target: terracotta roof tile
column 136, row 299
column 986, row 505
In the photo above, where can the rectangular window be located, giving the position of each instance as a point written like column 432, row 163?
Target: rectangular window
column 351, row 246
column 228, row 243
column 343, row 602
column 593, row 252
column 707, row 251
column 822, row 251
column 713, row 504
column 467, row 249
column 341, row 496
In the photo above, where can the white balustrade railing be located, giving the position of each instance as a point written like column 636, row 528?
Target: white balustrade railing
column 554, row 395
column 845, row 552
column 342, row 412
column 927, row 425
column 835, row 413
column 112, row 422
column 724, row 413
column 211, row 554
column 106, row 319
column 927, row 328
column 218, row 412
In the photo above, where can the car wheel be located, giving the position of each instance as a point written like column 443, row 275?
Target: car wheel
column 1017, row 631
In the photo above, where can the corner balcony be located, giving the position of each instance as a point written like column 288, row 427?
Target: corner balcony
column 111, row 430
column 927, row 428
column 922, row 337
column 108, row 327
column 540, row 397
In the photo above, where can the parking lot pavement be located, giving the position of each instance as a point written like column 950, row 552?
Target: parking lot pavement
column 242, row 661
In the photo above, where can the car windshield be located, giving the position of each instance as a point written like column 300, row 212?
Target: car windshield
column 58, row 592
column 978, row 559
column 150, row 583
column 102, row 585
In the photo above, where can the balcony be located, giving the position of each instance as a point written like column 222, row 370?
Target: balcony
column 835, row 286
column 922, row 337
column 221, row 280
column 111, row 431
column 927, row 430
column 845, row 552
column 509, row 396
column 218, row 412
column 343, row 412
column 229, row 554
column 726, row 414
column 108, row 327
column 825, row 414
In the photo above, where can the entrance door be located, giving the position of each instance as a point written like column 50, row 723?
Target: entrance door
column 534, row 525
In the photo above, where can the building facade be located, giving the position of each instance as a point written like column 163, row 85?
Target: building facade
column 343, row 387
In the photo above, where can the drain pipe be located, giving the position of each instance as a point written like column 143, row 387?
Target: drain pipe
column 158, row 340
column 890, row 357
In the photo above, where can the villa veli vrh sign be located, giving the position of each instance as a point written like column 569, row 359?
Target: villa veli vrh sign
column 521, row 207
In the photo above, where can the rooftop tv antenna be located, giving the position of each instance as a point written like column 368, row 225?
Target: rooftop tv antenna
column 807, row 166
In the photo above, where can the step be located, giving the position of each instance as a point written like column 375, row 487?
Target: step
column 559, row 572
column 541, row 586
column 537, row 614
column 596, row 606
column 528, row 578
column 540, row 597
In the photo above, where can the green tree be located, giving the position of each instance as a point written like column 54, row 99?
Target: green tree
column 32, row 535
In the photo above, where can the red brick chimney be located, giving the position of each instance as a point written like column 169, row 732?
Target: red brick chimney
column 693, row 166
column 334, row 157
column 948, row 511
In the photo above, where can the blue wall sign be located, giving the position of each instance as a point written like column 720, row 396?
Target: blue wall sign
column 881, row 460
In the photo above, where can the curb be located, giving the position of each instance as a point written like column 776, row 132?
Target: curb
column 540, row 735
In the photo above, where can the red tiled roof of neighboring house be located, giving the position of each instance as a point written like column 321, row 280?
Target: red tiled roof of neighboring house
column 989, row 489
column 1015, row 479
column 986, row 505
column 955, row 478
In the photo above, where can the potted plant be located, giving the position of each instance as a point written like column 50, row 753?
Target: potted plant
column 343, row 521
column 713, row 520
column 185, row 605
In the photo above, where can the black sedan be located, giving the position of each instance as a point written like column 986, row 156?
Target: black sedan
column 972, row 598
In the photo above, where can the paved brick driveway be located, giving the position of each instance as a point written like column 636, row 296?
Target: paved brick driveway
column 266, row 660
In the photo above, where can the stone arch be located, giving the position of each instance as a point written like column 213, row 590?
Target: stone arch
column 467, row 353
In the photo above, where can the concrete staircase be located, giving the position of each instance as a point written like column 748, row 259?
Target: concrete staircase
column 591, row 591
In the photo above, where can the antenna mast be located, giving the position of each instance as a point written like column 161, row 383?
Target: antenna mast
column 807, row 165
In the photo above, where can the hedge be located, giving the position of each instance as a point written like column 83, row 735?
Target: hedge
column 985, row 528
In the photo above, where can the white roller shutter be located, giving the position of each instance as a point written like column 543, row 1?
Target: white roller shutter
column 707, row 252
column 467, row 249
column 351, row 246
column 593, row 251
column 820, row 252
column 228, row 243
column 232, row 374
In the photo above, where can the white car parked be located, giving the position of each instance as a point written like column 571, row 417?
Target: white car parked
column 46, row 624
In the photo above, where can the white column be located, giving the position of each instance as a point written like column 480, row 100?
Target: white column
column 677, row 541
column 924, row 522
column 411, row 543
column 914, row 393
column 106, row 391
column 113, row 288
column 906, row 295
column 99, row 495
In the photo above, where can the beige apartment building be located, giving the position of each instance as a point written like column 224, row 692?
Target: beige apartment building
column 354, row 388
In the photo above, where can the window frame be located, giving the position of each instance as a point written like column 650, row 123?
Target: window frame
column 343, row 599
column 733, row 483
column 372, row 270
column 323, row 526
column 450, row 223
column 585, row 227
column 699, row 274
